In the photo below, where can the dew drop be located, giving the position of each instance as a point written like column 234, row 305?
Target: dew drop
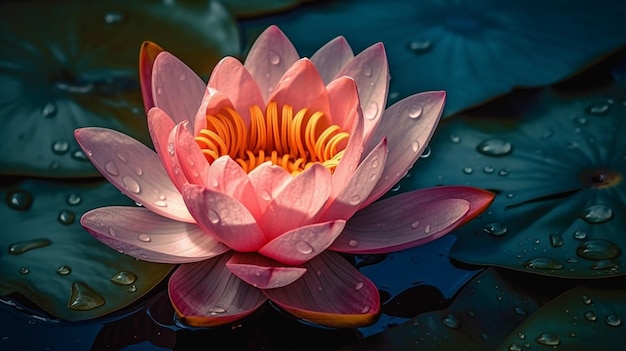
column 613, row 320
column 24, row 270
column 543, row 263
column 367, row 70
column 590, row 316
column 495, row 229
column 556, row 240
column 355, row 199
column 353, row 243
column 19, row 200
column 144, row 237
column 112, row 232
column 114, row 18
column 520, row 311
column 455, row 139
column 495, row 147
column 598, row 108
column 273, row 57
column 420, row 47
column 503, row 172
column 548, row 339
column 74, row 199
column 597, row 214
column 371, row 111
column 604, row 265
column 451, row 321
column 131, row 184
column 265, row 195
column 54, row 165
column 415, row 225
column 123, row 278
column 27, row 245
column 427, row 229
column 182, row 77
column 580, row 235
column 515, row 347
column 170, row 148
column 375, row 163
column 110, row 168
column 415, row 146
column 60, row 147
column 586, row 300
column 66, row 217
column 138, row 171
column 468, row 170
column 359, row 286
column 488, row 169
column 598, row 249
column 160, row 203
column 84, row 298
column 304, row 248
column 216, row 310
column 49, row 110
column 415, row 111
column 131, row 288
column 64, row 270
column 79, row 155
column 213, row 216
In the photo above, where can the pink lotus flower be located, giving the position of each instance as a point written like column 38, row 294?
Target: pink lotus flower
column 260, row 178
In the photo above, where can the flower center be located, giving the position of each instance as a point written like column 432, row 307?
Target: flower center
column 293, row 141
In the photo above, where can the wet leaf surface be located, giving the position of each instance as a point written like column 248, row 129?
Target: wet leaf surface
column 48, row 257
column 84, row 72
column 473, row 50
column 250, row 9
column 556, row 159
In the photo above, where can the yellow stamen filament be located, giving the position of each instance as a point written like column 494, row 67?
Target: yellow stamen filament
column 292, row 141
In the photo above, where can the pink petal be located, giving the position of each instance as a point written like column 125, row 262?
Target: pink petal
column 186, row 157
column 371, row 72
column 408, row 126
column 261, row 272
column 134, row 169
column 302, row 244
column 147, row 54
column 212, row 103
column 160, row 125
column 147, row 236
column 302, row 87
column 358, row 188
column 233, row 79
column 225, row 218
column 228, row 176
column 343, row 98
column 176, row 89
column 268, row 180
column 207, row 294
column 332, row 293
column 411, row 219
column 330, row 58
column 298, row 202
column 269, row 58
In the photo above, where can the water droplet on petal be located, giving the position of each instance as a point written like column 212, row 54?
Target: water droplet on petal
column 367, row 70
column 415, row 111
column 123, row 278
column 144, row 237
column 353, row 243
column 371, row 111
column 451, row 321
column 182, row 77
column 415, row 146
column 131, row 184
column 122, row 156
column 27, row 245
column 375, row 163
column 548, row 339
column 84, row 298
column 19, row 200
column 160, row 203
column 495, row 147
column 64, row 270
column 304, row 247
column 543, row 263
column 355, row 199
column 598, row 249
column 613, row 320
column 138, row 171
column 60, row 147
column 359, row 286
column 365, row 309
column 216, row 310
column 66, row 217
column 415, row 225
column 170, row 148
column 273, row 57
column 49, row 110
column 427, row 229
column 213, row 216
column 597, row 214
column 110, row 168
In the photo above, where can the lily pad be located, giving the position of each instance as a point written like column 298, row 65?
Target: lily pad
column 47, row 256
column 485, row 311
column 70, row 64
column 556, row 159
column 582, row 318
column 473, row 50
column 249, row 9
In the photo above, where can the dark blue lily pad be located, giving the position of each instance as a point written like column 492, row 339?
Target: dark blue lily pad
column 70, row 64
column 48, row 257
column 475, row 50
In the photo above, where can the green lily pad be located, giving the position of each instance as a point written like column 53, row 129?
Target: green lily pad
column 70, row 64
column 556, row 159
column 249, row 9
column 473, row 50
column 582, row 318
column 485, row 311
column 48, row 257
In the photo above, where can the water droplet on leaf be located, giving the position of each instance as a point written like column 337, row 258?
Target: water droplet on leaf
column 66, row 217
column 495, row 147
column 27, row 245
column 543, row 263
column 123, row 278
column 420, row 47
column 580, row 235
column 556, row 240
column 548, row 339
column 84, row 298
column 613, row 320
column 590, row 316
column 495, row 229
column 64, row 270
column 24, row 270
column 49, row 110
column 598, row 249
column 114, row 18
column 60, row 147
column 451, row 321
column 597, row 214
column 19, row 200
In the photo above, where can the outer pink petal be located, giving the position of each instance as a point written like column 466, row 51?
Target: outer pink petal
column 160, row 125
column 134, row 169
column 358, row 188
column 186, row 156
column 330, row 58
column 226, row 218
column 298, row 203
column 206, row 294
column 228, row 176
column 302, row 87
column 176, row 89
column 411, row 219
column 269, row 58
column 408, row 126
column 147, row 54
column 147, row 236
column 371, row 72
column 302, row 244
column 268, row 180
column 261, row 272
column 332, row 293
column 233, row 79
